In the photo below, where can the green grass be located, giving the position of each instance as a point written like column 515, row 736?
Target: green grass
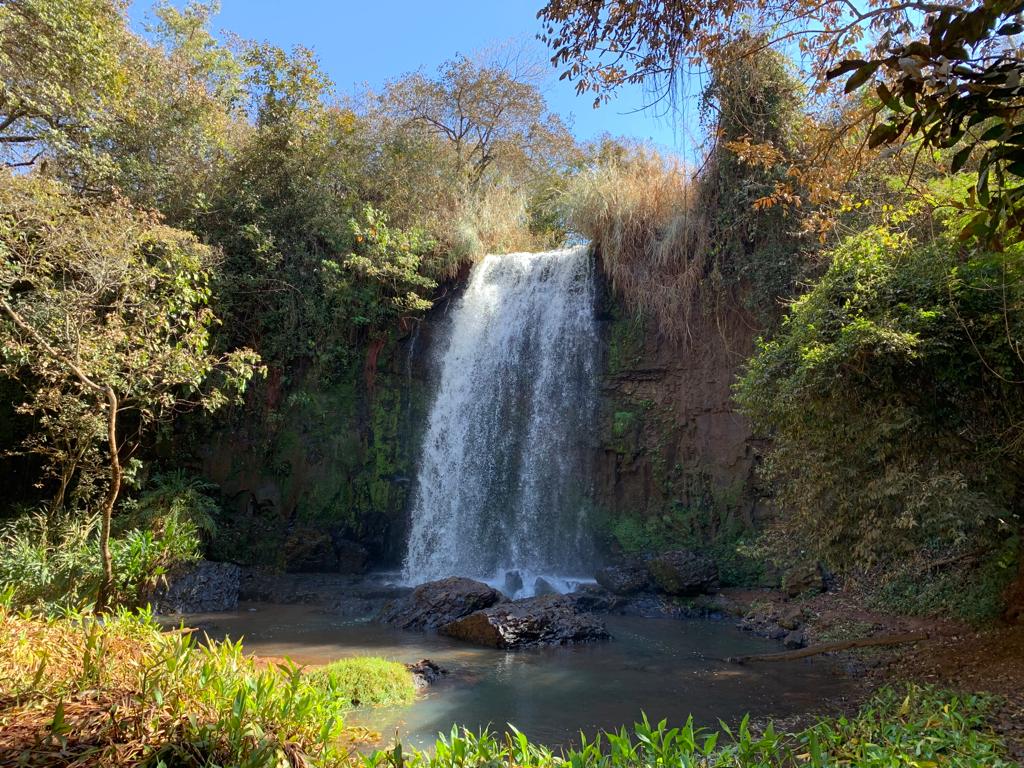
column 119, row 691
column 368, row 681
column 911, row 728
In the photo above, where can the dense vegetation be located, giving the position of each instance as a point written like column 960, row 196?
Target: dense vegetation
column 875, row 237
column 123, row 692
column 184, row 219
column 203, row 242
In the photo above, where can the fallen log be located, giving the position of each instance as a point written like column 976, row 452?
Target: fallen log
column 841, row 645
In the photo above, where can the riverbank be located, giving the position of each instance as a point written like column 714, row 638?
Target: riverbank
column 950, row 654
column 77, row 691
column 953, row 654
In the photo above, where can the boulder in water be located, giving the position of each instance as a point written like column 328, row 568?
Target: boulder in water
column 544, row 587
column 536, row 621
column 683, row 572
column 513, row 583
column 425, row 673
column 437, row 603
column 593, row 597
column 624, row 578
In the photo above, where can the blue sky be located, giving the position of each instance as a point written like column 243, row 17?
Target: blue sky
column 367, row 42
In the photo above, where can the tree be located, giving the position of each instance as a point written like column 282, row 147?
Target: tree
column 166, row 142
column 60, row 72
column 940, row 69
column 104, row 310
column 488, row 110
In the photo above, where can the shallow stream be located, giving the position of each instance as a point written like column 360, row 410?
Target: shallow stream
column 666, row 668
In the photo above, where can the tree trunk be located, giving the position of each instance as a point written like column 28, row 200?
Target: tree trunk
column 107, row 583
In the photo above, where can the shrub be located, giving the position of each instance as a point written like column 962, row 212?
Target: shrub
column 892, row 393
column 53, row 561
column 119, row 691
column 368, row 681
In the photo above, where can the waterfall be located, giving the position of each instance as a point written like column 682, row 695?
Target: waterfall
column 502, row 486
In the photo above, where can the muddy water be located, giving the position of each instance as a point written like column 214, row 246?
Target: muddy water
column 662, row 667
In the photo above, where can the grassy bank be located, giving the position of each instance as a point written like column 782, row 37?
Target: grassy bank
column 79, row 691
column 85, row 692
column 910, row 728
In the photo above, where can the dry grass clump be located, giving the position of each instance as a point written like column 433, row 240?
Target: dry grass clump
column 493, row 220
column 644, row 210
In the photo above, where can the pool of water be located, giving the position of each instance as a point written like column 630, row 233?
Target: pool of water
column 665, row 668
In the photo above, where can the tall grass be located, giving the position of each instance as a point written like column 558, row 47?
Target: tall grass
column 644, row 210
column 87, row 692
column 914, row 727
column 495, row 219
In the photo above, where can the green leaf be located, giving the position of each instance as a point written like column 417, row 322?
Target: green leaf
column 960, row 158
column 844, row 67
column 994, row 132
column 886, row 96
column 861, row 76
column 882, row 134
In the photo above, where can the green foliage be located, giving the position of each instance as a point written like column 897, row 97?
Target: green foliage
column 162, row 696
column 380, row 283
column 753, row 106
column 892, row 395
column 61, row 74
column 971, row 592
column 177, row 494
column 51, row 562
column 690, row 528
column 625, row 343
column 914, row 727
column 367, row 681
column 956, row 85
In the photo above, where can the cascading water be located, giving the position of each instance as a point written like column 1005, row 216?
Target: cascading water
column 502, row 487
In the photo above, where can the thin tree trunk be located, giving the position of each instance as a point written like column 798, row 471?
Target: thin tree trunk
column 107, row 584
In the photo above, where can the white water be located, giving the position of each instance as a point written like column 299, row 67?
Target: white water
column 502, row 486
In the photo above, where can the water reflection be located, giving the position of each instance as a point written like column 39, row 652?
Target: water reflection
column 662, row 667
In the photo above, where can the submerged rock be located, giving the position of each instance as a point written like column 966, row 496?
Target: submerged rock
column 437, row 603
column 625, row 578
column 536, row 621
column 425, row 673
column 204, row 588
column 795, row 639
column 683, row 572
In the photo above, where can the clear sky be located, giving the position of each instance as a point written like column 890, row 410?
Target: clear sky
column 367, row 42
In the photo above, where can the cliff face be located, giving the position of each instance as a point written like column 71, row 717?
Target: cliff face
column 315, row 472
column 321, row 479
column 676, row 461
